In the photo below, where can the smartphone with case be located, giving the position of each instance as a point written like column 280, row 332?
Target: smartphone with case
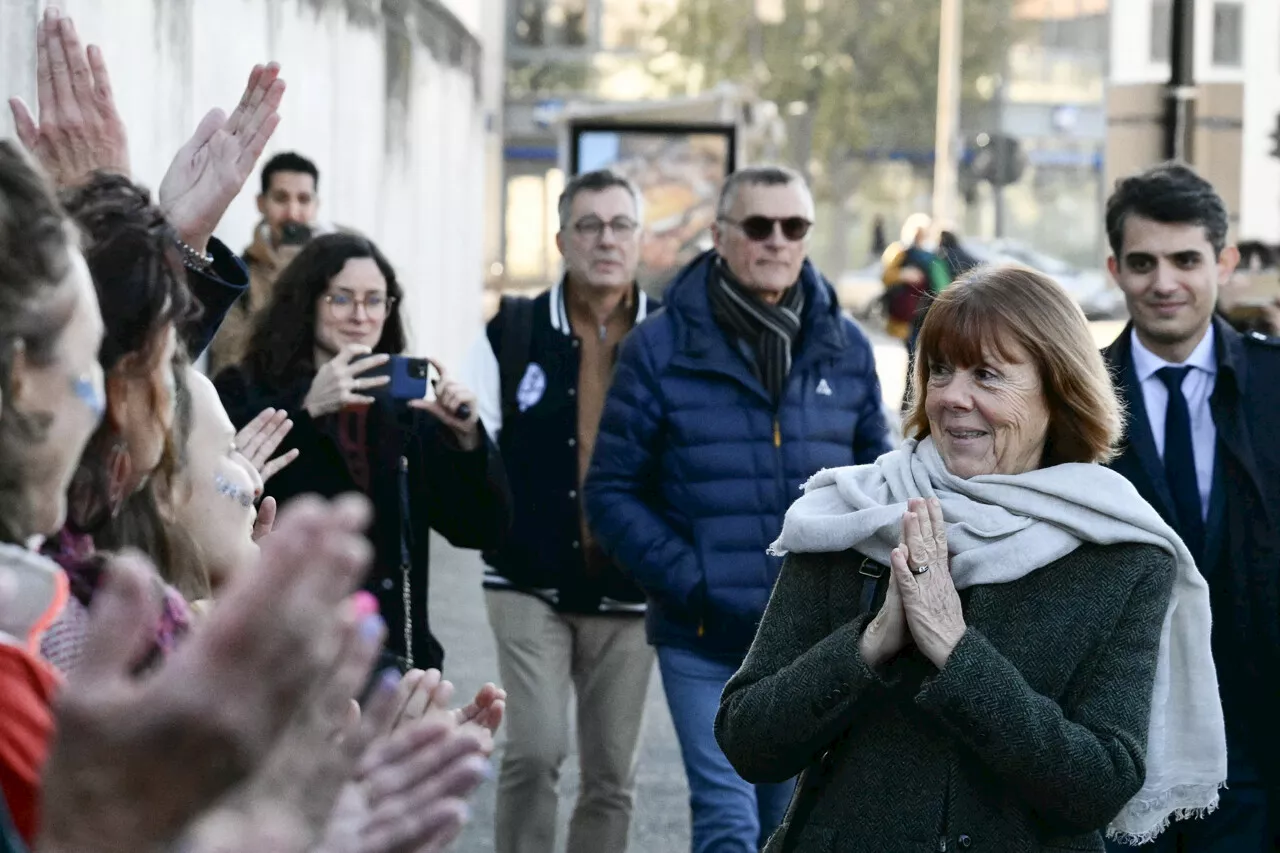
column 411, row 378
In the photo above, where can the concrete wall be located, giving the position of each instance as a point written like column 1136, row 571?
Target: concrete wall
column 385, row 96
column 1259, row 192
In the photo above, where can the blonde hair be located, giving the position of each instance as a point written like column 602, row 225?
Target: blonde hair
column 995, row 306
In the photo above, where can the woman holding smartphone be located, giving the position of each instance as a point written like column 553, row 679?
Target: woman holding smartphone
column 323, row 350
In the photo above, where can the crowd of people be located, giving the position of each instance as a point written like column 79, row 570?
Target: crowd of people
column 1044, row 620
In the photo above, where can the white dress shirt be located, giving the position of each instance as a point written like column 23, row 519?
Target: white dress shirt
column 1197, row 387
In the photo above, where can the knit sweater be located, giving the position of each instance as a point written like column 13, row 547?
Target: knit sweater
column 1031, row 738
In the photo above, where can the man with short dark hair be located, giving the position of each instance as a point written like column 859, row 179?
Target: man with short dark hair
column 289, row 204
column 1203, row 447
column 749, row 381
column 565, row 618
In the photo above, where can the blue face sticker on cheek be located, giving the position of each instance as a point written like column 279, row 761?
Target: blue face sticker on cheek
column 91, row 394
column 231, row 490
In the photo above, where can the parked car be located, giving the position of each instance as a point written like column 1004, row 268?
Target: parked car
column 1097, row 296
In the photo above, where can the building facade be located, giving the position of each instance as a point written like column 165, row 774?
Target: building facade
column 1237, row 71
column 387, row 96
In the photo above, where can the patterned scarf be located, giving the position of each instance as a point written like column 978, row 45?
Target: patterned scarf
column 771, row 331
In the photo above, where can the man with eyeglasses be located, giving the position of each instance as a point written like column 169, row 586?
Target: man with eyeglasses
column 723, row 404
column 565, row 618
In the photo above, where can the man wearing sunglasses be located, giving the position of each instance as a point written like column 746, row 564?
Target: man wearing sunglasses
column 723, row 404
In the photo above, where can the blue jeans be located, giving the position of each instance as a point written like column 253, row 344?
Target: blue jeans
column 729, row 815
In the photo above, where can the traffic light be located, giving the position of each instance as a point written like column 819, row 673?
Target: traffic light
column 998, row 158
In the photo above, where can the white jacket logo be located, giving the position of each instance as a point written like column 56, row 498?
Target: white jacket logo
column 823, row 388
column 532, row 387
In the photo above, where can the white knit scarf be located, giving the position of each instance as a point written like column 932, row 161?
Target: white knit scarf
column 1003, row 527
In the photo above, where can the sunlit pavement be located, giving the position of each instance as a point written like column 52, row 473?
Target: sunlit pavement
column 661, row 822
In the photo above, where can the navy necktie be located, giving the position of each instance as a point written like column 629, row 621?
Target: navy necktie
column 1180, row 462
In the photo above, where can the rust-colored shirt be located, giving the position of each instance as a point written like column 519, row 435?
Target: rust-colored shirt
column 598, row 345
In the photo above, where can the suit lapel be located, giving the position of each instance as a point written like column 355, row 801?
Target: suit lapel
column 1140, row 446
column 1235, row 445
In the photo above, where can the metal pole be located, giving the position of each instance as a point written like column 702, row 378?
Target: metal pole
column 947, row 128
column 1002, row 154
column 1180, row 96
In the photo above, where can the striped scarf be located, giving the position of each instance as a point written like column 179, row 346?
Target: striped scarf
column 770, row 331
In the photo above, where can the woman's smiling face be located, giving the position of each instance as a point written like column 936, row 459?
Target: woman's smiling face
column 991, row 417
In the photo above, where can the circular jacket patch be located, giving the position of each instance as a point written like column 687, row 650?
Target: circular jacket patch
column 532, row 387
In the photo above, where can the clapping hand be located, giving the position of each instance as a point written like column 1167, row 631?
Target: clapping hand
column 423, row 691
column 922, row 569
column 261, row 437
column 79, row 130
column 210, row 170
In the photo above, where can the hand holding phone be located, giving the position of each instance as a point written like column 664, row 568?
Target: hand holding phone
column 453, row 404
column 419, row 379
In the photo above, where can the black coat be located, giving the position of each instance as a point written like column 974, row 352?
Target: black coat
column 419, row 481
column 1242, row 535
column 215, row 291
column 1031, row 738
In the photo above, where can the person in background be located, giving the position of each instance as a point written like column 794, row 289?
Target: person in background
column 334, row 315
column 985, row 640
column 565, row 618
column 878, row 240
column 912, row 274
column 290, row 206
column 1203, row 447
column 954, row 255
column 747, row 382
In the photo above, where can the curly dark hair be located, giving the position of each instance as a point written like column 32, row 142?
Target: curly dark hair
column 36, row 242
column 137, row 270
column 281, row 347
column 1171, row 193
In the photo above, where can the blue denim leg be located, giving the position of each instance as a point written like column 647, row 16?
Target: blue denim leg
column 729, row 814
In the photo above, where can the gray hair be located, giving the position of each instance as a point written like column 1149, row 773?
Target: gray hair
column 594, row 182
column 753, row 176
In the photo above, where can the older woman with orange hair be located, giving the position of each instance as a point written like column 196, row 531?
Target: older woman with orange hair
column 985, row 640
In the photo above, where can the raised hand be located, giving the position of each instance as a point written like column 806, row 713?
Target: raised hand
column 338, row 382
column 922, row 568
column 210, row 170
column 261, row 437
column 79, row 130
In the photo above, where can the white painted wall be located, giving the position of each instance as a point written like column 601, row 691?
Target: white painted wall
column 1260, row 74
column 409, row 175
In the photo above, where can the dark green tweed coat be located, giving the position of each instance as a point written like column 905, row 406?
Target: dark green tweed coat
column 1031, row 738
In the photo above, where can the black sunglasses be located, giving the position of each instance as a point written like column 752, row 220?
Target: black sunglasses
column 760, row 228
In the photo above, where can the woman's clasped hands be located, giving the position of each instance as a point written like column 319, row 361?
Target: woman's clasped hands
column 921, row 606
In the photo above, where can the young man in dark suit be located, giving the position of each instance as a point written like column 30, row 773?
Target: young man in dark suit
column 1203, row 447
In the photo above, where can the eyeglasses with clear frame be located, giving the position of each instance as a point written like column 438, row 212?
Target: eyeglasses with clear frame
column 592, row 227
column 343, row 305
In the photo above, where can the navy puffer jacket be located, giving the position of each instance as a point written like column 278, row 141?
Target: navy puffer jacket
column 695, row 466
